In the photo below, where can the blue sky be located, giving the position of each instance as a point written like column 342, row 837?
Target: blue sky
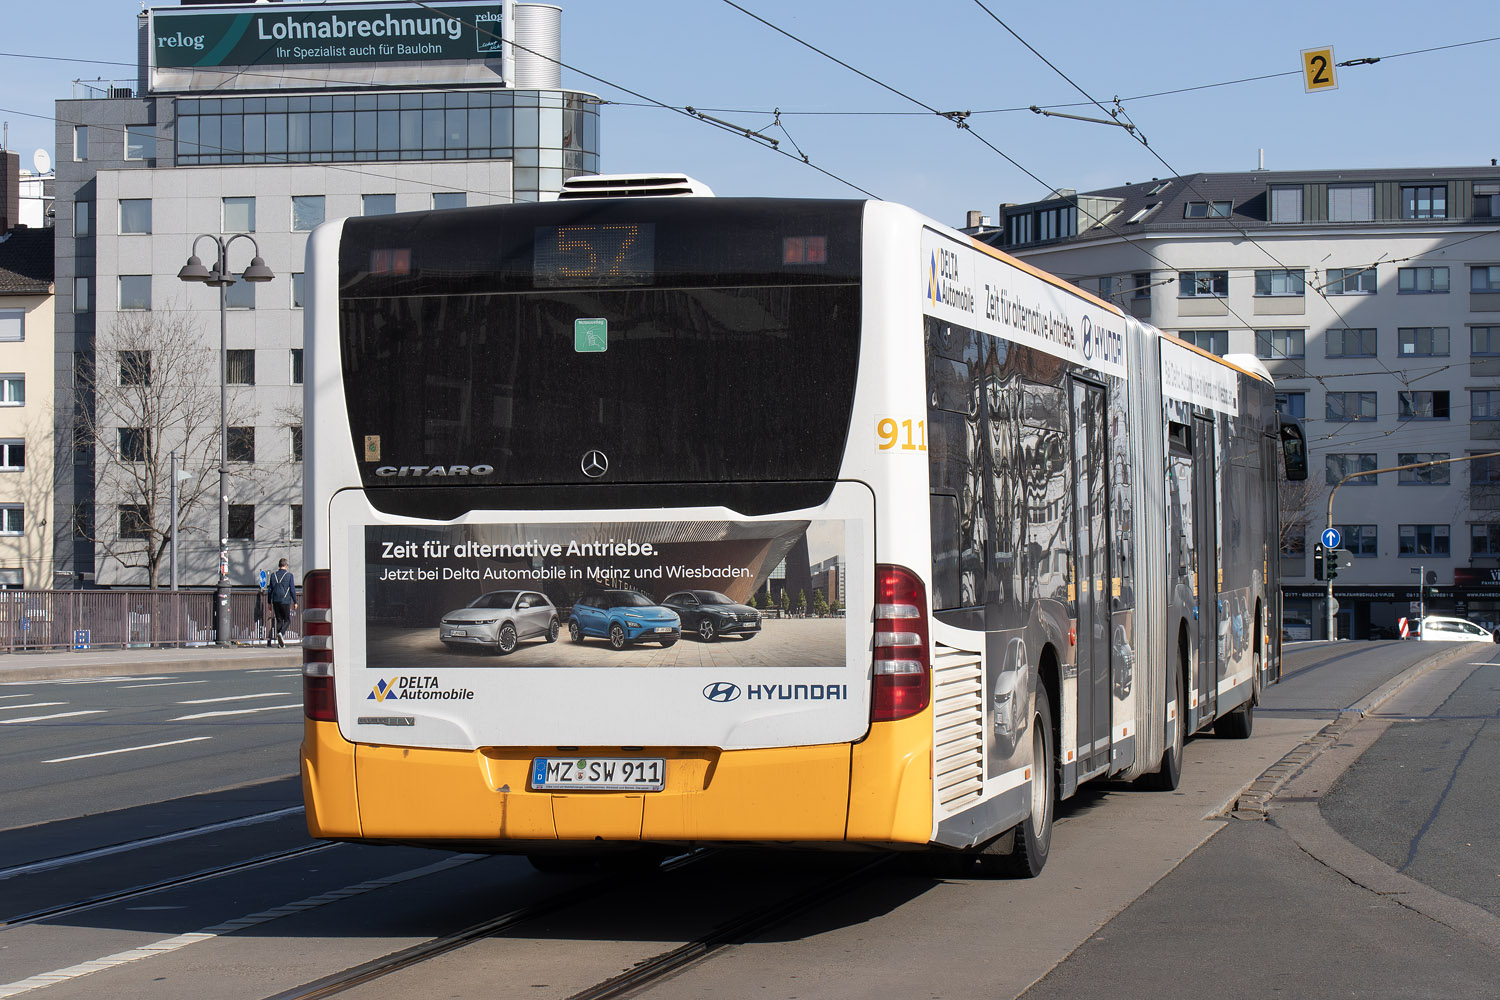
column 1430, row 109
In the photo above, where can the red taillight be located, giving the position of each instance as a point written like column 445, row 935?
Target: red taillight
column 318, row 701
column 902, row 669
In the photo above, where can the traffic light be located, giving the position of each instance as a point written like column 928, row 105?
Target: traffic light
column 1330, row 564
column 1318, row 561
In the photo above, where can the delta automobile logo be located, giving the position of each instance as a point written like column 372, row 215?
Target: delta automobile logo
column 942, row 283
column 416, row 688
column 723, row 691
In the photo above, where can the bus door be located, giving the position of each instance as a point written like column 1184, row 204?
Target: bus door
column 1206, row 555
column 1091, row 556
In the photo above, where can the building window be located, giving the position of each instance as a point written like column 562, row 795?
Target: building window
column 1280, row 344
column 241, row 444
column 12, row 455
column 1486, row 199
column 1197, row 284
column 135, row 444
column 1432, row 475
column 1351, row 281
column 1422, row 341
column 239, row 367
column 1344, row 407
column 1292, row 404
column 140, row 142
column 239, row 216
column 1484, row 279
column 83, row 219
column 297, row 289
column 1484, row 341
column 1339, row 466
column 1351, row 202
column 1350, row 343
column 380, row 204
column 135, row 291
column 1424, row 405
column 307, row 212
column 80, row 142
column 12, row 519
column 240, row 295
column 1424, row 201
column 12, row 390
column 1359, row 539
column 1212, row 341
column 1142, row 281
column 1484, row 540
column 1483, row 471
column 296, row 442
column 1018, row 229
column 1422, row 280
column 1286, row 204
column 134, row 522
column 12, row 325
column 1142, row 214
column 80, row 295
column 296, row 522
column 135, row 215
column 1294, row 546
column 1206, row 210
column 242, row 522
column 296, row 366
column 1279, row 281
column 135, row 368
column 1423, row 540
column 450, row 199
column 1484, row 404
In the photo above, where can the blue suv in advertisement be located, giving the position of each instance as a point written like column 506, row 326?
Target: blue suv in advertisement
column 623, row 617
column 711, row 614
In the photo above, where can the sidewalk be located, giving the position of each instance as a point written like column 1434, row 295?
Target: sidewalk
column 133, row 662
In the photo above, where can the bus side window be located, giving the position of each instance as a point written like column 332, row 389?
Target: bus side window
column 945, row 571
column 1293, row 449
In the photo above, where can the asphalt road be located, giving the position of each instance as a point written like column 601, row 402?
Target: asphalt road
column 1382, row 892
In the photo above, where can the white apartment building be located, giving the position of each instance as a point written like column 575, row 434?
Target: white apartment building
column 1373, row 297
column 262, row 120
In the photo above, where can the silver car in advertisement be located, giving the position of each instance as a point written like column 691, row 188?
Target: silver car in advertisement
column 499, row 620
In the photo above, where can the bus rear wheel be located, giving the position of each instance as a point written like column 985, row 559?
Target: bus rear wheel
column 1034, row 834
column 1238, row 724
column 1169, row 775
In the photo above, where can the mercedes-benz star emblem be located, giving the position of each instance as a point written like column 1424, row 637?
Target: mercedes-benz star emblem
column 595, row 463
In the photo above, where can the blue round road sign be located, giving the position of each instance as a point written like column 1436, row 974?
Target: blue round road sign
column 1332, row 538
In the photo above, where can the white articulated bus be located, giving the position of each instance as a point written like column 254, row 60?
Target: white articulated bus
column 966, row 537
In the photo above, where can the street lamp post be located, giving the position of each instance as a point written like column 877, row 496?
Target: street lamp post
column 219, row 277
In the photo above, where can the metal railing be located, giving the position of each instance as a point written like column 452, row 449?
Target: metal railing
column 123, row 619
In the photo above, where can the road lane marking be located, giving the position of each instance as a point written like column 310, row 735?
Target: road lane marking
column 107, row 753
column 166, row 684
column 8, row 697
column 237, row 711
column 111, row 679
column 135, row 845
column 34, row 704
column 44, row 718
column 167, row 945
column 235, row 697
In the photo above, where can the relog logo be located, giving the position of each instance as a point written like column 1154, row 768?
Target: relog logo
column 721, row 692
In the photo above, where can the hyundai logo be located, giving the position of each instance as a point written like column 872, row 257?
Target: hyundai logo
column 595, row 463
column 721, row 691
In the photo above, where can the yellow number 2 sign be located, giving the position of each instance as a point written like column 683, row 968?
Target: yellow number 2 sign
column 1318, row 71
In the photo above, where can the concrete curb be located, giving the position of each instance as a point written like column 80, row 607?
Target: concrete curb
column 134, row 663
column 1254, row 802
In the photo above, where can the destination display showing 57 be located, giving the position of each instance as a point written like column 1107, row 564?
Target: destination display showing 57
column 595, row 256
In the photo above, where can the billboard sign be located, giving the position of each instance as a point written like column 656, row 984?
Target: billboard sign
column 191, row 38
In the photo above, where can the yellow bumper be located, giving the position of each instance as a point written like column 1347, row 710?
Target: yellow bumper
column 878, row 790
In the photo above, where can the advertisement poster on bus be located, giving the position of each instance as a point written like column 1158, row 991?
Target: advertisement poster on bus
column 639, row 594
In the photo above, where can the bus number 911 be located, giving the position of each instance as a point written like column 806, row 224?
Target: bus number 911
column 905, row 435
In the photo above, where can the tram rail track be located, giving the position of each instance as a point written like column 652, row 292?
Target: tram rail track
column 729, row 932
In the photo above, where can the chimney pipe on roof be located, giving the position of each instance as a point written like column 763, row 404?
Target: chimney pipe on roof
column 1262, row 159
column 976, row 218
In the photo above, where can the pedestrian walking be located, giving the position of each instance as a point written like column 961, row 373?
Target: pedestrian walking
column 283, row 588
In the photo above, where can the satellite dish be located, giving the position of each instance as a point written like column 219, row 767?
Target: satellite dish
column 41, row 161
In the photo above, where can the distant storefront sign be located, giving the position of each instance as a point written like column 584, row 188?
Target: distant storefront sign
column 277, row 35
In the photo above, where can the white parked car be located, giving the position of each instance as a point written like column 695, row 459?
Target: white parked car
column 1439, row 629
